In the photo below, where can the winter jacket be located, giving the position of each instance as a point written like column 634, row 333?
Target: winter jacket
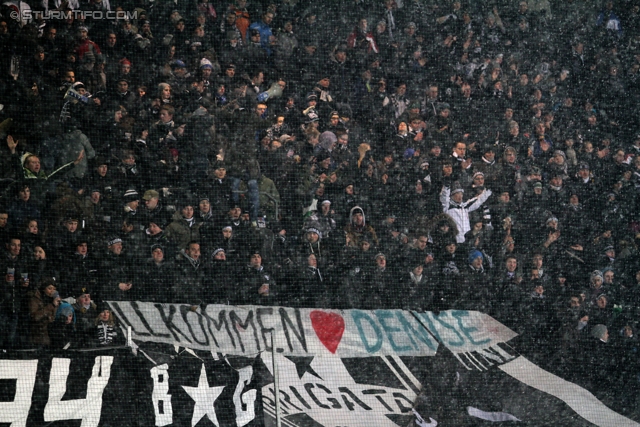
column 180, row 233
column 188, row 280
column 356, row 234
column 42, row 313
column 251, row 279
column 460, row 212
column 154, row 284
column 113, row 270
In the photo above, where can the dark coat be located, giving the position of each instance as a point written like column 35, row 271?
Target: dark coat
column 84, row 323
column 250, row 281
column 156, row 281
column 417, row 293
column 219, row 282
column 13, row 295
column 77, row 271
column 188, row 281
column 113, row 270
column 312, row 290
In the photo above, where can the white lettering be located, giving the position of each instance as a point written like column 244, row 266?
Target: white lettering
column 24, row 372
column 160, row 395
column 248, row 399
column 88, row 409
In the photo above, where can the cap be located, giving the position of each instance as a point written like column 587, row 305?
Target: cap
column 84, row 290
column 322, row 156
column 114, row 240
column 150, row 194
column 71, row 216
column 475, row 254
column 408, row 153
column 217, row 251
column 535, row 170
column 219, row 165
column 131, row 195
column 178, row 64
column 157, row 246
column 312, row 96
column 314, row 230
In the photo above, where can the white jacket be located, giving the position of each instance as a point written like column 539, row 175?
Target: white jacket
column 460, row 212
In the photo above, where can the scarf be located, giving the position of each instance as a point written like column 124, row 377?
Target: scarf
column 415, row 279
column 315, row 270
column 194, row 263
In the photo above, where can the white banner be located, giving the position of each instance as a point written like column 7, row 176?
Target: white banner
column 247, row 330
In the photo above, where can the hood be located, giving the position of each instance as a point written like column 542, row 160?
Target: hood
column 23, row 158
column 356, row 208
column 326, row 139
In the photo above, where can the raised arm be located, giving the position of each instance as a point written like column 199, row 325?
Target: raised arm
column 479, row 200
column 445, row 198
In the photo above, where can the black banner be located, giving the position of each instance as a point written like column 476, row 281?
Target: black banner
column 117, row 388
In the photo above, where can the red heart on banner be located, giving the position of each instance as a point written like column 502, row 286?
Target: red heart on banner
column 329, row 328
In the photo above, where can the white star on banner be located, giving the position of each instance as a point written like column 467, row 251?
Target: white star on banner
column 205, row 397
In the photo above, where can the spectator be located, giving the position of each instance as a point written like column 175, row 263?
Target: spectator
column 115, row 274
column 188, row 282
column 62, row 331
column 43, row 304
column 358, row 230
column 107, row 331
column 255, row 284
column 453, row 205
column 184, row 227
column 15, row 293
column 23, row 207
column 85, row 311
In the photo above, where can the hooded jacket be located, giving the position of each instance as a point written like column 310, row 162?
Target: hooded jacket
column 356, row 233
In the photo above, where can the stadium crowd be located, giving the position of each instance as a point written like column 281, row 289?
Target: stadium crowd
column 415, row 154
